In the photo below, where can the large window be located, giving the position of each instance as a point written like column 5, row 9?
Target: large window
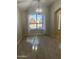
column 36, row 22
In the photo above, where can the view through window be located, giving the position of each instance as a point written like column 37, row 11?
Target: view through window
column 36, row 22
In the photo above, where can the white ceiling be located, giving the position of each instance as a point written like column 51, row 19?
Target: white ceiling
column 24, row 4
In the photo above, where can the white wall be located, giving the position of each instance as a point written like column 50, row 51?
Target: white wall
column 55, row 5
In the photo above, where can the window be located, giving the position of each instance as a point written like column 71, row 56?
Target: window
column 36, row 22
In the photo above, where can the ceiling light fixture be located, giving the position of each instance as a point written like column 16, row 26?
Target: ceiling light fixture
column 39, row 9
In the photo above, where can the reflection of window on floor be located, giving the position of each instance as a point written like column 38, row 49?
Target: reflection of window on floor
column 36, row 22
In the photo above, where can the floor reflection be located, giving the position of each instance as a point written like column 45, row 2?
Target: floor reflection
column 34, row 41
column 37, row 47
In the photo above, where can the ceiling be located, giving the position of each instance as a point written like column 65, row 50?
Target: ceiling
column 25, row 4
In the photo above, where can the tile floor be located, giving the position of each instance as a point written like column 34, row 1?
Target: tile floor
column 38, row 47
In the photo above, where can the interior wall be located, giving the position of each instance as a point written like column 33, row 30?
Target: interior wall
column 19, row 26
column 25, row 22
column 53, row 8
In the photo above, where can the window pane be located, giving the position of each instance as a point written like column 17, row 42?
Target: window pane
column 32, row 26
column 32, row 19
column 39, row 18
column 38, row 23
column 39, row 26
